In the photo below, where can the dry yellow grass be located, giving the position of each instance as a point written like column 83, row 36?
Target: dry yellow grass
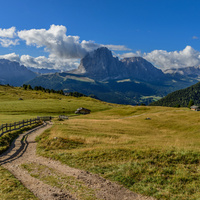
column 167, row 128
column 157, row 157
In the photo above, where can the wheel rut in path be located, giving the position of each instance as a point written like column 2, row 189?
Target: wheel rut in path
column 23, row 151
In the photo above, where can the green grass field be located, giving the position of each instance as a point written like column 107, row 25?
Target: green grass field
column 158, row 157
column 38, row 103
column 150, row 150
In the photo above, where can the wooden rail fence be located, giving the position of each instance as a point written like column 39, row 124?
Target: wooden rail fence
column 5, row 128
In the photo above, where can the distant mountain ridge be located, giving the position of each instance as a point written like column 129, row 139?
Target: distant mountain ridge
column 43, row 70
column 13, row 73
column 193, row 71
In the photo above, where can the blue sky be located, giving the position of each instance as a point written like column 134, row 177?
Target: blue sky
column 168, row 29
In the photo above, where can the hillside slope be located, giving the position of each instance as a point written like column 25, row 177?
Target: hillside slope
column 124, row 91
column 17, row 104
column 121, row 91
column 181, row 97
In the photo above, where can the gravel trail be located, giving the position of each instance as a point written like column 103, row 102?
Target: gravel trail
column 23, row 151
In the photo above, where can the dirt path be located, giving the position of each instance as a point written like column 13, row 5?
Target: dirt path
column 23, row 151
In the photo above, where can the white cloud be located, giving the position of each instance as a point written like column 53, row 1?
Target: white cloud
column 116, row 47
column 8, row 42
column 43, row 62
column 64, row 50
column 131, row 54
column 50, row 63
column 8, row 33
column 166, row 60
column 174, row 59
column 7, row 37
column 57, row 43
column 11, row 57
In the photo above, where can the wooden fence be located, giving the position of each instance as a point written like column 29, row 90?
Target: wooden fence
column 5, row 128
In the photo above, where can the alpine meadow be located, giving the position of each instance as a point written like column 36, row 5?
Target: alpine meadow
column 100, row 100
column 153, row 151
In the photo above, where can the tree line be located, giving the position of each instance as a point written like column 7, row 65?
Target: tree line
column 40, row 88
column 181, row 98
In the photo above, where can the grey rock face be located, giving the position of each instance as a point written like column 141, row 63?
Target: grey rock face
column 13, row 73
column 140, row 68
column 101, row 65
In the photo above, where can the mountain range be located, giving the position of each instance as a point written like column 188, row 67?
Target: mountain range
column 43, row 70
column 127, row 81
column 193, row 71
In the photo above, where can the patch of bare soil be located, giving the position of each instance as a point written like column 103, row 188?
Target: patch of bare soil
column 23, row 151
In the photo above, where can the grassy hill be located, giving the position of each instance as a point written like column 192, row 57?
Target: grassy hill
column 38, row 103
column 150, row 150
column 181, row 97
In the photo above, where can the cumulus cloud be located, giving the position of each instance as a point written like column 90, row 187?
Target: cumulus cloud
column 174, row 59
column 43, row 62
column 7, row 37
column 64, row 50
column 50, row 63
column 11, row 57
column 166, row 60
column 57, row 43
column 8, row 33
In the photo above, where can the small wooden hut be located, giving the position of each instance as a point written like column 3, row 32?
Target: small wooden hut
column 195, row 108
column 82, row 111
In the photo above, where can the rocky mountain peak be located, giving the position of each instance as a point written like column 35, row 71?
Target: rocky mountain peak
column 100, row 65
